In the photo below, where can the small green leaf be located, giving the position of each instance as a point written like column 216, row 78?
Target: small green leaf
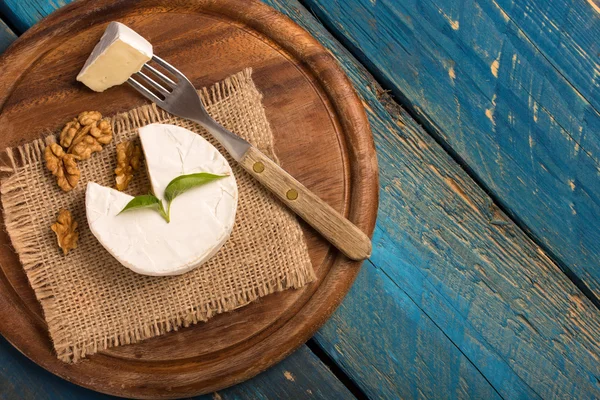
column 146, row 201
column 183, row 183
column 143, row 201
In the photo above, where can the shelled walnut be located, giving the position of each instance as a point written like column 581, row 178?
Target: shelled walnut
column 80, row 138
column 63, row 166
column 128, row 161
column 92, row 134
column 65, row 228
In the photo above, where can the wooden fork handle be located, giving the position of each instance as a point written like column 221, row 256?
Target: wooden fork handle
column 340, row 232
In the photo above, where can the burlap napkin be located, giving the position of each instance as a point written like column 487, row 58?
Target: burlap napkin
column 90, row 301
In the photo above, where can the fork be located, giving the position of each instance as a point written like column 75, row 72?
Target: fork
column 182, row 99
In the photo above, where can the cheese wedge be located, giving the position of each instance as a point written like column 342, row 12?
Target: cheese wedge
column 120, row 53
column 201, row 218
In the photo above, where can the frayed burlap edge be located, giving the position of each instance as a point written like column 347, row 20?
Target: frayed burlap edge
column 20, row 228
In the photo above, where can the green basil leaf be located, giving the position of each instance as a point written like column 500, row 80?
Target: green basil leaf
column 184, row 183
column 143, row 201
column 146, row 201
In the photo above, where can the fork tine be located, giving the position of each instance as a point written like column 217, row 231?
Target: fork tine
column 169, row 68
column 144, row 91
column 152, row 83
column 160, row 75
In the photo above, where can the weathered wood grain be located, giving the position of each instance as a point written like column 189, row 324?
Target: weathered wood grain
column 566, row 33
column 6, row 36
column 444, row 244
column 512, row 88
column 387, row 344
column 301, row 375
column 24, row 13
column 417, row 278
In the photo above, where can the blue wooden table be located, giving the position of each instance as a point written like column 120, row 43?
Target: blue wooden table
column 485, row 276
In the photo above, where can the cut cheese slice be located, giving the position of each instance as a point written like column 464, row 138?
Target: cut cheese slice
column 201, row 218
column 120, row 53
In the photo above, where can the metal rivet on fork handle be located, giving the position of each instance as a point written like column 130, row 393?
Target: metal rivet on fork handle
column 258, row 167
column 292, row 194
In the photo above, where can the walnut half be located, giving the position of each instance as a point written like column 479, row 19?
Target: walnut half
column 92, row 134
column 128, row 161
column 63, row 166
column 66, row 231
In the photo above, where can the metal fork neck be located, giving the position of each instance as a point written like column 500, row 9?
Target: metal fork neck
column 235, row 145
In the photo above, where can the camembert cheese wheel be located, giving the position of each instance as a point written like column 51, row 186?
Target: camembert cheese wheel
column 201, row 219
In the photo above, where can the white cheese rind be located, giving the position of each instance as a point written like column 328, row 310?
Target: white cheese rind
column 120, row 53
column 201, row 219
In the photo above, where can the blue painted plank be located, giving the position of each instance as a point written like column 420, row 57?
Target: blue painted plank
column 526, row 124
column 24, row 13
column 443, row 244
column 301, row 375
column 566, row 33
column 490, row 307
column 6, row 36
column 385, row 341
column 20, row 378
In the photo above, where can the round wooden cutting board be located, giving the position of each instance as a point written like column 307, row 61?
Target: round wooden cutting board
column 322, row 138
